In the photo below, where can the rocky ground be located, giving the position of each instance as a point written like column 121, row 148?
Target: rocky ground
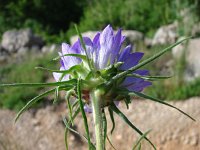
column 43, row 129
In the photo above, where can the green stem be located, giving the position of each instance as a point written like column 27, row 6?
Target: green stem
column 97, row 117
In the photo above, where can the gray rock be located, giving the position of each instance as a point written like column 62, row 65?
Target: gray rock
column 148, row 42
column 89, row 34
column 22, row 51
column 132, row 36
column 50, row 48
column 165, row 35
column 178, row 51
column 13, row 40
column 192, row 60
column 196, row 30
column 3, row 55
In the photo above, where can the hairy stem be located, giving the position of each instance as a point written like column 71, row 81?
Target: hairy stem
column 97, row 117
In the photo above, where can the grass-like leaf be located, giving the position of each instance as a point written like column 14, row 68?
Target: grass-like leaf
column 83, row 112
column 159, row 101
column 104, row 127
column 150, row 78
column 66, row 129
column 84, row 47
column 70, row 70
column 112, row 119
column 32, row 101
column 83, row 57
column 92, row 147
column 56, row 95
column 124, row 73
column 67, row 84
column 67, row 97
column 66, row 140
column 137, row 144
column 109, row 141
column 126, row 120
column 139, row 147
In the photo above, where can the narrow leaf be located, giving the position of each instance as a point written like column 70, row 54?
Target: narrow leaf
column 83, row 112
column 150, row 78
column 56, row 95
column 104, row 126
column 112, row 119
column 83, row 57
column 31, row 102
column 140, row 146
column 70, row 70
column 67, row 84
column 159, row 101
column 84, row 47
column 109, row 141
column 76, row 132
column 67, row 97
column 140, row 139
column 125, row 119
column 66, row 140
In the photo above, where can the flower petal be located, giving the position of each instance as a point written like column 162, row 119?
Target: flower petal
column 57, row 76
column 142, row 72
column 138, row 87
column 131, row 60
column 106, row 44
column 116, row 46
column 87, row 108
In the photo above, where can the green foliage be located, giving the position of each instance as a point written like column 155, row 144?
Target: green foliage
column 16, row 98
column 52, row 19
column 174, row 88
column 145, row 16
column 173, row 91
column 49, row 18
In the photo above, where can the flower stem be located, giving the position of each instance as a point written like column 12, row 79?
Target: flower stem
column 97, row 117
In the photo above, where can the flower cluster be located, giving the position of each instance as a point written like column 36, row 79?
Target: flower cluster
column 104, row 51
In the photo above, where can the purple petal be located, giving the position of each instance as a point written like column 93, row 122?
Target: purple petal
column 65, row 48
column 96, row 41
column 69, row 61
column 57, row 76
column 62, row 63
column 96, row 46
column 142, row 72
column 138, row 87
column 124, row 54
column 89, row 47
column 116, row 103
column 131, row 60
column 123, row 39
column 77, row 47
column 106, row 36
column 129, row 81
column 87, row 109
column 106, row 43
column 116, row 46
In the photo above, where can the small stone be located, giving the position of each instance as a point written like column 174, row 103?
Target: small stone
column 165, row 35
column 194, row 140
column 119, row 137
column 186, row 140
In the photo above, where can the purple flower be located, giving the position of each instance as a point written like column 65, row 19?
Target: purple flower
column 105, row 50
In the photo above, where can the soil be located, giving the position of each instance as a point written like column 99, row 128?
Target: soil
column 43, row 129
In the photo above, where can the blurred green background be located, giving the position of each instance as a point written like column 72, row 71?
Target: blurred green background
column 53, row 20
